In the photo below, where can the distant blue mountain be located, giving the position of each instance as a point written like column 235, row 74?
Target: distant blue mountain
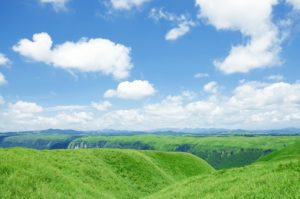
column 168, row 131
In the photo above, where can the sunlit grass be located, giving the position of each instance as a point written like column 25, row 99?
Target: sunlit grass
column 92, row 173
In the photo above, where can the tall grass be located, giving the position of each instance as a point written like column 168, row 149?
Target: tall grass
column 92, row 173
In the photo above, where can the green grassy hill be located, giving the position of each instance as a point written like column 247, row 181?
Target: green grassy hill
column 220, row 152
column 291, row 151
column 122, row 174
column 277, row 176
column 92, row 173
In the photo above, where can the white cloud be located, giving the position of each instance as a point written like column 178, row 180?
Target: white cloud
column 66, row 108
column 179, row 31
column 75, row 117
column 2, row 79
column 182, row 27
column 263, row 47
column 261, row 52
column 275, row 77
column 22, row 109
column 4, row 60
column 127, row 4
column 56, row 4
column 189, row 94
column 86, row 55
column 101, row 106
column 135, row 90
column 171, row 106
column 201, row 75
column 127, row 119
column 39, row 49
column 31, row 116
column 110, row 93
column 280, row 98
column 211, row 87
column 294, row 3
column 250, row 105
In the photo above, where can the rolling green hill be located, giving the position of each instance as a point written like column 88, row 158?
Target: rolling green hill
column 92, row 173
column 278, row 176
column 292, row 151
column 123, row 173
column 220, row 152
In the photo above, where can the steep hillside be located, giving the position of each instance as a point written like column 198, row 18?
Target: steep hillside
column 220, row 152
column 92, row 173
column 286, row 153
column 278, row 176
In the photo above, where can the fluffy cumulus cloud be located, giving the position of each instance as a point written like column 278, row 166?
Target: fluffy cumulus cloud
column 86, row 55
column 179, row 31
column 263, row 46
column 250, row 105
column 24, row 115
column 127, row 4
column 22, row 109
column 135, row 90
column 56, row 4
column 211, row 87
column 101, row 106
column 257, row 95
column 4, row 60
column 127, row 119
column 183, row 23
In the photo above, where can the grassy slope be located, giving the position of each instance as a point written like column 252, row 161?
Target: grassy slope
column 168, row 141
column 220, row 152
column 92, row 173
column 277, row 176
column 291, row 151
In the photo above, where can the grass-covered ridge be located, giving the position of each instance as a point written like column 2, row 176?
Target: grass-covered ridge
column 220, row 152
column 292, row 151
column 92, row 173
column 277, row 176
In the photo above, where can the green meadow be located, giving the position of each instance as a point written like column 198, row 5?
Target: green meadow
column 275, row 176
column 102, row 167
column 219, row 151
column 92, row 173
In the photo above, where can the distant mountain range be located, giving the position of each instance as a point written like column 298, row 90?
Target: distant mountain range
column 206, row 131
column 167, row 131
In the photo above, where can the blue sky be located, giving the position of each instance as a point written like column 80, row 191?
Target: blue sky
column 147, row 64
